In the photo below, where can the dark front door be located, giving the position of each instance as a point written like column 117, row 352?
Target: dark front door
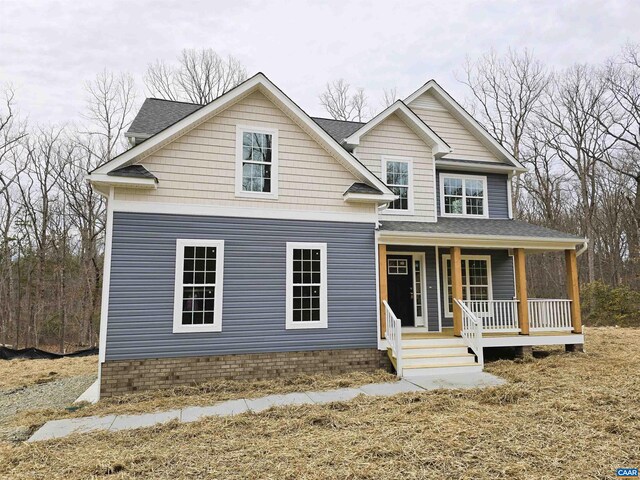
column 400, row 287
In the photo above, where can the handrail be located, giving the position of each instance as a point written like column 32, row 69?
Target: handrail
column 471, row 331
column 496, row 315
column 393, row 334
column 546, row 314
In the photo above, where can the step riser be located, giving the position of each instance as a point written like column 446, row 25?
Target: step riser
column 466, row 359
column 431, row 342
column 421, row 372
column 436, row 351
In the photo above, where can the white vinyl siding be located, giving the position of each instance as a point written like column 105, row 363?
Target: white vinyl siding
column 464, row 144
column 198, row 286
column 476, row 279
column 200, row 167
column 393, row 138
column 306, row 285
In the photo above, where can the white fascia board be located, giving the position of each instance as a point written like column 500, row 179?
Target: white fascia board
column 366, row 198
column 478, row 167
column 480, row 241
column 461, row 114
column 438, row 145
column 137, row 135
column 257, row 81
column 133, row 182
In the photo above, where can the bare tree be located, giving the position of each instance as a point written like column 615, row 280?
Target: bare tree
column 342, row 103
column 200, row 76
column 11, row 133
column 389, row 96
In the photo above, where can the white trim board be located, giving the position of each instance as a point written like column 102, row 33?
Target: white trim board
column 258, row 82
column 106, row 278
column 243, row 212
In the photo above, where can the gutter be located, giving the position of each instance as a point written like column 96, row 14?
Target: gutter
column 583, row 249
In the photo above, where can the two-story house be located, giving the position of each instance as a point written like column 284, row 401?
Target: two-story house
column 246, row 239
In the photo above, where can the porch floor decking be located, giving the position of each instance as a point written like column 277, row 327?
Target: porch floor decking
column 499, row 339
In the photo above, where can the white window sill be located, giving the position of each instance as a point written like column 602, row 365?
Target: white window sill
column 196, row 328
column 257, row 195
column 306, row 325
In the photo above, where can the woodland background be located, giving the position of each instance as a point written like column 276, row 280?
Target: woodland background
column 576, row 130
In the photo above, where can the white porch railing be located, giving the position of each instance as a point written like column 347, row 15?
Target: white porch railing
column 549, row 315
column 471, row 331
column 496, row 315
column 393, row 334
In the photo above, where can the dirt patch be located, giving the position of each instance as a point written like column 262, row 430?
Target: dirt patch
column 570, row 416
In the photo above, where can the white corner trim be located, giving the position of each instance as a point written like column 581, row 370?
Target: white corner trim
column 409, row 161
column 463, row 177
column 273, row 194
column 134, row 206
column 456, row 109
column 178, row 327
column 439, row 146
column 445, row 257
column 106, row 278
column 324, row 314
column 510, row 196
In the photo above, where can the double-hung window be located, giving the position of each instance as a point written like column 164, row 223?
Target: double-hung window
column 398, row 175
column 463, row 195
column 476, row 279
column 198, row 286
column 257, row 162
column 306, row 285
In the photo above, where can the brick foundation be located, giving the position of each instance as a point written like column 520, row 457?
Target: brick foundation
column 127, row 376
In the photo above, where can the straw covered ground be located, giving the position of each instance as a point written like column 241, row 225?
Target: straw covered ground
column 559, row 416
column 25, row 373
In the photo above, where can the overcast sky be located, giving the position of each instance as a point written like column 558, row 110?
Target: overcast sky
column 49, row 49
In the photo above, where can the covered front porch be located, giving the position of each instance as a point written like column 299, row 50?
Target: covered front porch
column 435, row 290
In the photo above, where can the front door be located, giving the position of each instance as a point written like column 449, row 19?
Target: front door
column 400, row 287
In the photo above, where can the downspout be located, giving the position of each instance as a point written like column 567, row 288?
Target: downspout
column 582, row 249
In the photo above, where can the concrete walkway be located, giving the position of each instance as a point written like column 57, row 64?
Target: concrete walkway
column 113, row 423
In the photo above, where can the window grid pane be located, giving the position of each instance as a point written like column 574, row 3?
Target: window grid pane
column 463, row 196
column 307, row 280
column 257, row 150
column 198, row 291
column 397, row 176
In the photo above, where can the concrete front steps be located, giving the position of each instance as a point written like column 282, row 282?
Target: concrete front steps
column 435, row 356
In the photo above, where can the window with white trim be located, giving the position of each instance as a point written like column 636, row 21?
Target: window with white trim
column 306, row 285
column 198, row 286
column 476, row 279
column 463, row 195
column 257, row 162
column 398, row 176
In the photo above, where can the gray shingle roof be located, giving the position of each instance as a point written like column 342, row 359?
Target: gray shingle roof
column 476, row 226
column 156, row 115
column 137, row 171
column 338, row 129
column 363, row 188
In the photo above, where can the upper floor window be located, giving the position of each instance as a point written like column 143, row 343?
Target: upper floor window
column 257, row 162
column 398, row 175
column 463, row 195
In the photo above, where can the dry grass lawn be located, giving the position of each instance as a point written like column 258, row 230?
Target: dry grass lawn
column 24, row 373
column 562, row 416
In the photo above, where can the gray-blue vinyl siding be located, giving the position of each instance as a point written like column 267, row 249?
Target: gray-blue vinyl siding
column 502, row 279
column 431, row 281
column 497, row 192
column 140, row 318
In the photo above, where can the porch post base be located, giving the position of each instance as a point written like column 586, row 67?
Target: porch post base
column 524, row 351
column 574, row 347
